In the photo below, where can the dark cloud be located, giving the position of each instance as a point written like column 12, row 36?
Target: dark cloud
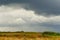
column 13, row 1
column 44, row 7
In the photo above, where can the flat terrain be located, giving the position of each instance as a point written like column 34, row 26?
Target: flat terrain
column 26, row 36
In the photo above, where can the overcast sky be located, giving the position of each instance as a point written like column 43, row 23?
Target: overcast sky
column 30, row 15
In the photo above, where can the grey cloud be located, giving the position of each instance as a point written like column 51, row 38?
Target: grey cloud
column 42, row 7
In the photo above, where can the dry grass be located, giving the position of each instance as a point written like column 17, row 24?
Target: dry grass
column 26, row 36
column 16, row 38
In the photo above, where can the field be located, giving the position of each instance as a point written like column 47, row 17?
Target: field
column 28, row 36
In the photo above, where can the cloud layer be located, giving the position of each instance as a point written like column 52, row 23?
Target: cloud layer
column 30, row 15
column 16, row 18
column 41, row 7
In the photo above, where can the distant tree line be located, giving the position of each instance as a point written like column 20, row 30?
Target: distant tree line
column 46, row 33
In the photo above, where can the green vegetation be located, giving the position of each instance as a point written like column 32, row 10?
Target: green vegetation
column 50, row 34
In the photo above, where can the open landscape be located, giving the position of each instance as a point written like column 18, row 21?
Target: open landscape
column 29, row 19
column 29, row 36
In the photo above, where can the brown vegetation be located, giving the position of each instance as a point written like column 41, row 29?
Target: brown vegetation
column 26, row 36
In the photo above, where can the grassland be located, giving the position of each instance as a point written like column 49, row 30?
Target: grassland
column 29, row 36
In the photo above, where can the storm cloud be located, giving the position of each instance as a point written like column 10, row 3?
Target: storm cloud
column 29, row 15
column 42, row 7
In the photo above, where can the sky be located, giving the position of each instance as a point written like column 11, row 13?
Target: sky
column 30, row 15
